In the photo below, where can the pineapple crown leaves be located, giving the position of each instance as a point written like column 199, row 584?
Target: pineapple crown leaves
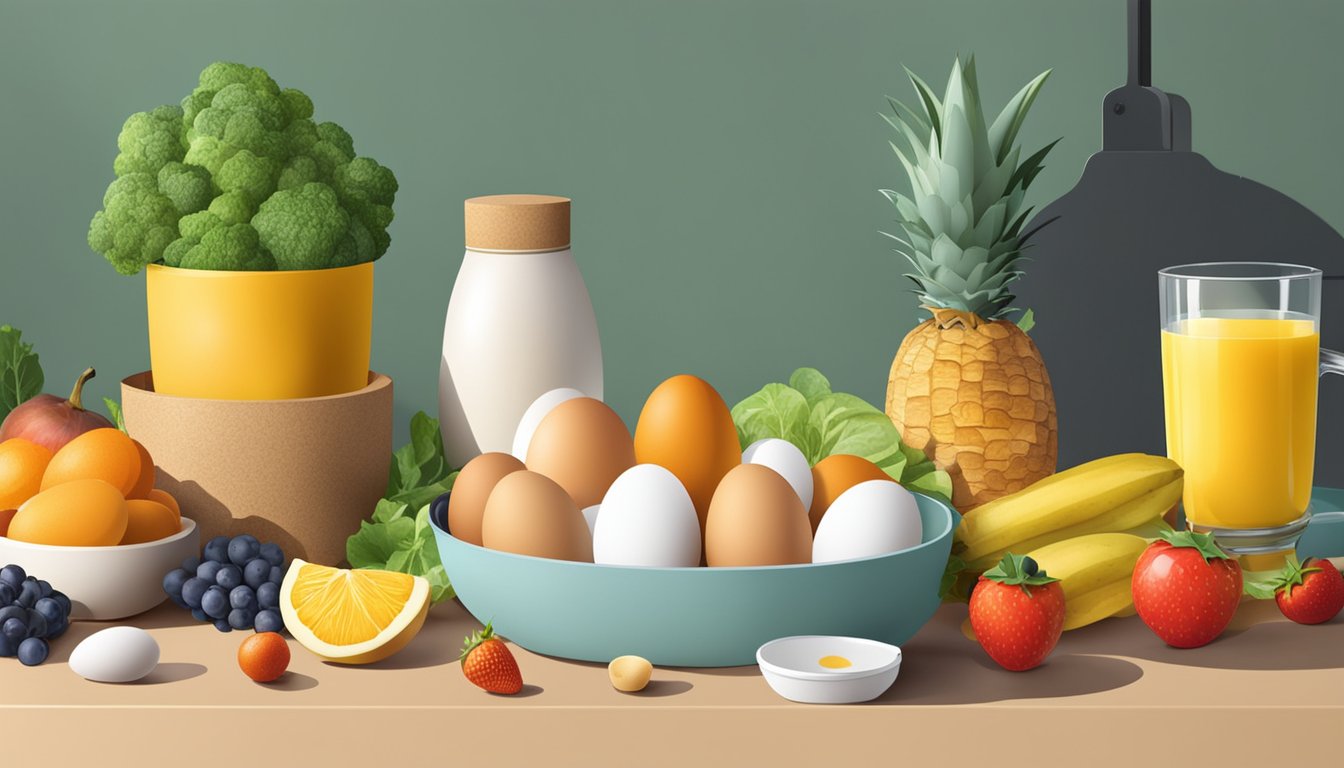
column 473, row 641
column 961, row 226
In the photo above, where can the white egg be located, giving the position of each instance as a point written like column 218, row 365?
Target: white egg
column 115, row 655
column 875, row 517
column 785, row 458
column 522, row 437
column 590, row 516
column 647, row 519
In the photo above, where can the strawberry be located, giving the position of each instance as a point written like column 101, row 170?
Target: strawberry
column 1186, row 589
column 488, row 663
column 1310, row 592
column 1017, row 612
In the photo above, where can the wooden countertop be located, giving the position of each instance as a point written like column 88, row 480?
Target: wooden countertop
column 1108, row 690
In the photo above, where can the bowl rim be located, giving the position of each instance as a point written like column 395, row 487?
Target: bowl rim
column 823, row 677
column 946, row 530
column 188, row 526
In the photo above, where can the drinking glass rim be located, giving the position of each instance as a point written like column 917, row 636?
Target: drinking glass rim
column 1295, row 271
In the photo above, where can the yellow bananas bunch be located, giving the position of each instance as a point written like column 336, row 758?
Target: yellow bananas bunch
column 1095, row 573
column 1108, row 495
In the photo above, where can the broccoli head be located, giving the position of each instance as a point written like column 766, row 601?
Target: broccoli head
column 240, row 176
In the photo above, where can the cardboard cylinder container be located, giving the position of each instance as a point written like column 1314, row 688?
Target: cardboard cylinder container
column 259, row 335
column 301, row 472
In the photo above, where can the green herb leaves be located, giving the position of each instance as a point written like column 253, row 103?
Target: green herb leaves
column 399, row 537
column 20, row 373
column 823, row 423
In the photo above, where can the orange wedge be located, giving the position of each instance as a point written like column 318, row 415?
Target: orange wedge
column 352, row 616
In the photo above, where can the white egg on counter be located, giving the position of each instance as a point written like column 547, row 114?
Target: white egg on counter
column 875, row 517
column 785, row 458
column 115, row 655
column 647, row 519
column 535, row 412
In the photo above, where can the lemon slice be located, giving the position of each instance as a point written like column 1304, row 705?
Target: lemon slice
column 352, row 616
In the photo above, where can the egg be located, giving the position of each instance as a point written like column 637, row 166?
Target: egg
column 471, row 489
column 77, row 513
column 582, row 445
column 115, row 655
column 755, row 518
column 647, row 520
column 686, row 427
column 530, row 514
column 836, row 474
column 527, row 426
column 785, row 458
column 875, row 517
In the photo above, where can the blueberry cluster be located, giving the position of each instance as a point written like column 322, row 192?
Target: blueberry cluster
column 235, row 584
column 32, row 615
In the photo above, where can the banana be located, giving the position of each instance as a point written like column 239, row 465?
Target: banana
column 1094, row 571
column 1106, row 495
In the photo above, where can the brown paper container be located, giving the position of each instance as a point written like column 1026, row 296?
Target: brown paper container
column 302, row 473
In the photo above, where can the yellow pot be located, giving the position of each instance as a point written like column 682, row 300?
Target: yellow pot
column 259, row 335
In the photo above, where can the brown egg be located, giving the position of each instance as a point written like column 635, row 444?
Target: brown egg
column 687, row 428
column 582, row 445
column 529, row 514
column 836, row 474
column 471, row 489
column 756, row 518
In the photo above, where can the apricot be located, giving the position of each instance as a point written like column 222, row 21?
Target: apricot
column 145, row 482
column 101, row 454
column 149, row 521
column 166, row 499
column 22, row 463
column 80, row 513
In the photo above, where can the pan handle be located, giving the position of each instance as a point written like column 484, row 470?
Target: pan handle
column 1140, row 42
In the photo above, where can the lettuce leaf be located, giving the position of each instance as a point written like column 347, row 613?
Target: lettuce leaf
column 821, row 422
column 20, row 373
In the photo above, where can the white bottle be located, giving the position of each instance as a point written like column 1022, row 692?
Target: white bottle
column 519, row 324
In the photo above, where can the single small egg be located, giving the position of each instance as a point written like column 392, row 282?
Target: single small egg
column 529, row 514
column 785, row 458
column 471, row 490
column 875, row 517
column 583, row 445
column 522, row 437
column 629, row 673
column 647, row 519
column 115, row 655
column 755, row 518
column 833, row 476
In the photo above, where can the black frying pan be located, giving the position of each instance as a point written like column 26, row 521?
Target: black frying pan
column 1144, row 202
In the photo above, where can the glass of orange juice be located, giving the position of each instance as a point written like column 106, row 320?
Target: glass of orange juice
column 1241, row 356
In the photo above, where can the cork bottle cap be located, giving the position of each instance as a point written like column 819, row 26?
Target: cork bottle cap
column 517, row 223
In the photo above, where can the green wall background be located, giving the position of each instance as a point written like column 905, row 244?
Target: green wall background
column 723, row 157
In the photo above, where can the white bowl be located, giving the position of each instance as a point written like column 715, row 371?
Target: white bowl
column 106, row 583
column 791, row 665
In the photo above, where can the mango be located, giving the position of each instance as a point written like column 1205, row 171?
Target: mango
column 80, row 513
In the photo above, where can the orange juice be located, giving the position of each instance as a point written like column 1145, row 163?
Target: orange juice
column 1240, row 399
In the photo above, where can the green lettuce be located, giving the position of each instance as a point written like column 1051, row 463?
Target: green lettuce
column 20, row 373
column 824, row 423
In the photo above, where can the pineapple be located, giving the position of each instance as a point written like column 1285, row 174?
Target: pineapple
column 968, row 386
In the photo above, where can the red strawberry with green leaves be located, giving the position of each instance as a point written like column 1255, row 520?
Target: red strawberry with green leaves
column 1186, row 589
column 1017, row 613
column 1310, row 592
column 488, row 663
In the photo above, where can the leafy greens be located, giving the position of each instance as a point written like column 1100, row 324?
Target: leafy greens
column 20, row 373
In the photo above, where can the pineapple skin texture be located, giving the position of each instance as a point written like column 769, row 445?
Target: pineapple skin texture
column 978, row 401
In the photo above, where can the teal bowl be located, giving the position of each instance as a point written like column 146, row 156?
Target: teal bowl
column 698, row 617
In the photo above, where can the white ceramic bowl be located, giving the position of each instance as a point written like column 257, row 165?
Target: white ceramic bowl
column 791, row 665
column 105, row 583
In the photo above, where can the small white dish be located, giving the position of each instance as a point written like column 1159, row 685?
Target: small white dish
column 827, row 669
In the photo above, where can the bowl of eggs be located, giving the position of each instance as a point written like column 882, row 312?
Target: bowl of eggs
column 679, row 546
column 88, row 518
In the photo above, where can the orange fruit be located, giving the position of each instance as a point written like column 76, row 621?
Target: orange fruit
column 99, row 454
column 145, row 483
column 264, row 656
column 836, row 474
column 166, row 499
column 149, row 521
column 80, row 513
column 22, row 463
